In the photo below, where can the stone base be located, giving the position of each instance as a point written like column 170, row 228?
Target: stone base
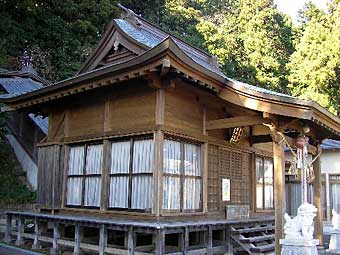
column 334, row 244
column 299, row 247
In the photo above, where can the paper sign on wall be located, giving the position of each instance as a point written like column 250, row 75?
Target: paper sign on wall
column 226, row 189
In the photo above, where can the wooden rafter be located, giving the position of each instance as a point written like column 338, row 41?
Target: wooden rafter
column 241, row 121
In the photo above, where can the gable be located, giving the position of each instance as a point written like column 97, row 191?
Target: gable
column 117, row 54
column 114, row 47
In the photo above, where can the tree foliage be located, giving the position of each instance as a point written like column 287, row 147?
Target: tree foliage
column 253, row 41
column 315, row 65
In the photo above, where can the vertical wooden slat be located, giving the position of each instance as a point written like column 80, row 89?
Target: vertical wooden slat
column 77, row 240
column 160, row 106
column 20, row 230
column 36, row 242
column 102, row 239
column 228, row 241
column 317, row 198
column 7, row 237
column 56, row 236
column 105, row 174
column 204, row 113
column 279, row 192
column 107, row 116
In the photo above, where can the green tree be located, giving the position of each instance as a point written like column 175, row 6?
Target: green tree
column 315, row 66
column 252, row 40
column 59, row 32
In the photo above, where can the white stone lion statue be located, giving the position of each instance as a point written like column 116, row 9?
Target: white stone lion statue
column 335, row 220
column 301, row 226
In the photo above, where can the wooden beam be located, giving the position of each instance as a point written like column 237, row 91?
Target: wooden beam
column 279, row 191
column 56, row 236
column 260, row 139
column 317, row 186
column 165, row 67
column 235, row 122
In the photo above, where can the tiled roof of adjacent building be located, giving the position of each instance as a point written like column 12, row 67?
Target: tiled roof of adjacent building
column 14, row 85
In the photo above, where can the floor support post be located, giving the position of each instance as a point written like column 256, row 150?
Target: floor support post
column 102, row 239
column 7, row 237
column 160, row 242
column 56, row 236
column 131, row 241
column 36, row 243
column 77, row 239
column 20, row 230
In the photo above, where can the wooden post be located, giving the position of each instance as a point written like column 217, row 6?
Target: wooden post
column 77, row 239
column 56, row 236
column 210, row 239
column 328, row 199
column 318, row 199
column 131, row 242
column 105, row 175
column 36, row 243
column 185, row 244
column 21, row 226
column 228, row 241
column 279, row 191
column 102, row 239
column 158, row 173
column 7, row 238
column 160, row 242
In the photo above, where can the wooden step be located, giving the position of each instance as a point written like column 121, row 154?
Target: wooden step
column 254, row 239
column 263, row 248
column 252, row 230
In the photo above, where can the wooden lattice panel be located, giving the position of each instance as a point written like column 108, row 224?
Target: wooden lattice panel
column 213, row 178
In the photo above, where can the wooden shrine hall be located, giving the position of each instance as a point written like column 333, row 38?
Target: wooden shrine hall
column 153, row 150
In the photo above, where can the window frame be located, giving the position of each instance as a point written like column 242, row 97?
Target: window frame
column 183, row 176
column 263, row 208
column 130, row 174
column 83, row 176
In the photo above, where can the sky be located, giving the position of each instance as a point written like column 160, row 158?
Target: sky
column 291, row 7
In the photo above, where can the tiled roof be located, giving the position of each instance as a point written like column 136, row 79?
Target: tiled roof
column 143, row 35
column 330, row 144
column 16, row 86
column 19, row 85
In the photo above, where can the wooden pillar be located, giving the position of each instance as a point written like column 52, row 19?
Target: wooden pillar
column 160, row 242
column 328, row 199
column 36, row 242
column 279, row 191
column 210, row 243
column 158, row 173
column 56, row 236
column 20, row 240
column 102, row 239
column 77, row 239
column 131, row 242
column 317, row 186
column 105, row 176
column 7, row 238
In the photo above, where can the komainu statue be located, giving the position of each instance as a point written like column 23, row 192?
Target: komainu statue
column 335, row 220
column 301, row 226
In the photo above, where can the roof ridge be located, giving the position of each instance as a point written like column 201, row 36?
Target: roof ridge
column 130, row 12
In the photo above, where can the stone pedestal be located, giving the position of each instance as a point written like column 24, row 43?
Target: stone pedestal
column 299, row 247
column 334, row 244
